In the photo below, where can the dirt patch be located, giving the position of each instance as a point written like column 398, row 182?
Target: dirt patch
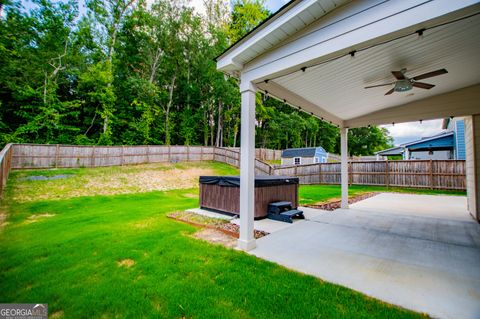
column 38, row 217
column 146, row 181
column 216, row 237
column 336, row 204
column 3, row 218
column 118, row 180
column 221, row 225
column 56, row 314
column 127, row 263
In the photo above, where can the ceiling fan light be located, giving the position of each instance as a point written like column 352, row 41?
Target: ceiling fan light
column 402, row 86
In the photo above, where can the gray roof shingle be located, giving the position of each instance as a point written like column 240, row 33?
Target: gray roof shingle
column 299, row 152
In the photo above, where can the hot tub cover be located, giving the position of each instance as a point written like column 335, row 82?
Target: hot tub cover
column 234, row 181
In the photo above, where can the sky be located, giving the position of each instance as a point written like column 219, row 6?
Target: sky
column 401, row 133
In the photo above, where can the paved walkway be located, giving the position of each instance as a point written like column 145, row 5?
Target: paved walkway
column 413, row 258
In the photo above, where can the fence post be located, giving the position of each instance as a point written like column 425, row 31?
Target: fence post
column 201, row 153
column 431, row 174
column 56, row 156
column 319, row 173
column 92, row 161
column 148, row 154
column 122, row 159
column 350, row 172
column 169, row 154
column 188, row 153
column 387, row 173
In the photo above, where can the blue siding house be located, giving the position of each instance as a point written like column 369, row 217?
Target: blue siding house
column 449, row 144
column 301, row 156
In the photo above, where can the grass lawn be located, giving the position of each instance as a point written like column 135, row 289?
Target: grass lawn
column 120, row 256
column 312, row 194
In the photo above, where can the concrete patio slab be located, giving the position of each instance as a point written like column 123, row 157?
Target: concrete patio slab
column 438, row 206
column 421, row 263
column 211, row 214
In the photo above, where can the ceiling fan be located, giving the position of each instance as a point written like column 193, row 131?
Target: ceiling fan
column 405, row 83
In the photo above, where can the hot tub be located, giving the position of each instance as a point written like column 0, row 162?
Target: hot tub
column 222, row 193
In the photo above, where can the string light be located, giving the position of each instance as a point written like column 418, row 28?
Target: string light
column 421, row 121
column 304, row 69
column 419, row 32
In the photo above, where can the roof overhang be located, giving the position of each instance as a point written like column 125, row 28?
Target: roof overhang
column 382, row 33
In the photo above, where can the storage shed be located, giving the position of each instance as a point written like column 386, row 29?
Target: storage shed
column 302, row 156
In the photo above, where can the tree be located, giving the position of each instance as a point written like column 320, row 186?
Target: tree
column 368, row 140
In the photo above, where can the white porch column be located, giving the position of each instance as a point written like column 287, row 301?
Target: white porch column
column 246, row 240
column 344, row 165
column 406, row 154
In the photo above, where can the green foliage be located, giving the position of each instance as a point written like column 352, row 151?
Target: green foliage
column 368, row 140
column 132, row 72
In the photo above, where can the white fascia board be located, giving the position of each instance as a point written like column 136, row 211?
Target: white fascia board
column 354, row 26
column 460, row 102
column 228, row 63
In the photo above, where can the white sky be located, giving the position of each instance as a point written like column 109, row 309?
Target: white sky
column 411, row 131
column 273, row 5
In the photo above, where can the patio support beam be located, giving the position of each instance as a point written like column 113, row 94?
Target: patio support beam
column 246, row 239
column 344, row 165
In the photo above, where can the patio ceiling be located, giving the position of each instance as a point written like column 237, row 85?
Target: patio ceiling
column 383, row 34
column 338, row 86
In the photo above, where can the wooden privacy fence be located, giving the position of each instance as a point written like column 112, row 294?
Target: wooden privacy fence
column 434, row 174
column 75, row 156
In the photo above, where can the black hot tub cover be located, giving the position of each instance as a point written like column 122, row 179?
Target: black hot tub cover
column 260, row 181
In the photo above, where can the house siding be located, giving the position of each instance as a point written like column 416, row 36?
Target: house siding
column 304, row 160
column 472, row 152
column 459, row 140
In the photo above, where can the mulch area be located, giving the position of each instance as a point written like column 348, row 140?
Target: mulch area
column 212, row 223
column 332, row 205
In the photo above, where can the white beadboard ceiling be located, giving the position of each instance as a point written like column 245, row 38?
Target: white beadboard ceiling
column 338, row 86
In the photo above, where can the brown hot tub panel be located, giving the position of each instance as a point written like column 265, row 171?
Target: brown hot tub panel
column 222, row 193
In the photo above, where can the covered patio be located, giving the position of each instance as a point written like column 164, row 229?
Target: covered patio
column 419, row 58
column 361, row 63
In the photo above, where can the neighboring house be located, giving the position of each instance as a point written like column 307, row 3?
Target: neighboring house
column 446, row 145
column 302, row 156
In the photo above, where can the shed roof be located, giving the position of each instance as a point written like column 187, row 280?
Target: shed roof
column 392, row 151
column 440, row 141
column 302, row 152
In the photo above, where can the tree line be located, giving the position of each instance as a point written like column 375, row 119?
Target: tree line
column 111, row 72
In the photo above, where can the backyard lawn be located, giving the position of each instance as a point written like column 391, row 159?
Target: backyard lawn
column 118, row 255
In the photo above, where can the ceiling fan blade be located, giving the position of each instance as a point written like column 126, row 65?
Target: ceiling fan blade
column 374, row 86
column 398, row 75
column 389, row 92
column 430, row 74
column 423, row 85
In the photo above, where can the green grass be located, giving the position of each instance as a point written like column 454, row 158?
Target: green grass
column 274, row 162
column 312, row 194
column 68, row 253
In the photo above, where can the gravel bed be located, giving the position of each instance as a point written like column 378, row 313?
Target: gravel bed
column 330, row 206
